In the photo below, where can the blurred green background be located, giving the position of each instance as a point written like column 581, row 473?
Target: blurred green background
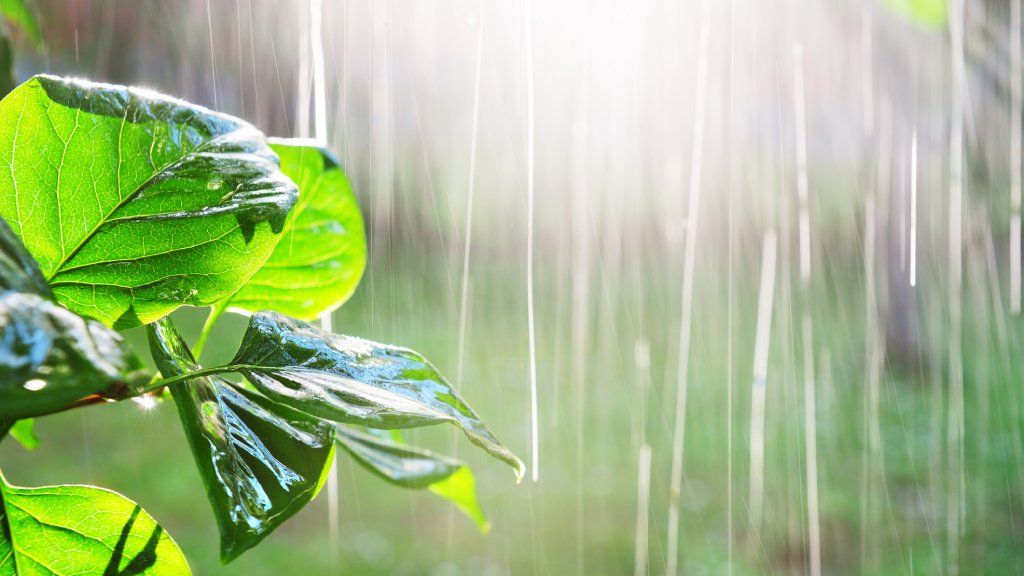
column 903, row 489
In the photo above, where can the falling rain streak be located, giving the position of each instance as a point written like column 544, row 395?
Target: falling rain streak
column 759, row 388
column 686, row 319
column 530, row 308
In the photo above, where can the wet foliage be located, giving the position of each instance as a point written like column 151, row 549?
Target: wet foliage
column 122, row 205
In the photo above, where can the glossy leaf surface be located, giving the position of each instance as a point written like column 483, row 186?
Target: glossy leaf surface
column 398, row 463
column 322, row 253
column 355, row 381
column 260, row 462
column 134, row 203
column 7, row 80
column 50, row 357
column 18, row 271
column 412, row 467
column 84, row 531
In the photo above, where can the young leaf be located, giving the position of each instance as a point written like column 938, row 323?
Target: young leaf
column 134, row 203
column 355, row 381
column 81, row 530
column 24, row 432
column 322, row 253
column 460, row 490
column 50, row 357
column 411, row 467
column 261, row 462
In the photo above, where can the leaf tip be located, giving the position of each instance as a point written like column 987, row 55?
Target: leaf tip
column 231, row 548
column 520, row 470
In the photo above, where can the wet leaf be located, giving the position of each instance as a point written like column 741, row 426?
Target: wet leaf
column 7, row 81
column 81, row 530
column 50, row 357
column 260, row 462
column 134, row 203
column 322, row 253
column 396, row 462
column 412, row 467
column 355, row 381
column 18, row 271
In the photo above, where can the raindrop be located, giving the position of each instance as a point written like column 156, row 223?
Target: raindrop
column 146, row 402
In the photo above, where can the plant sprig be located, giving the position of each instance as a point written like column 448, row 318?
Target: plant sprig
column 151, row 204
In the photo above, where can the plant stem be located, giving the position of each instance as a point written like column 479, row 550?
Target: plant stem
column 216, row 311
column 153, row 385
column 195, row 374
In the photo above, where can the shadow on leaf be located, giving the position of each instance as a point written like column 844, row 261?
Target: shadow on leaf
column 145, row 559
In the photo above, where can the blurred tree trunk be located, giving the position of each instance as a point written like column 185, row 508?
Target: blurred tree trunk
column 904, row 110
column 900, row 56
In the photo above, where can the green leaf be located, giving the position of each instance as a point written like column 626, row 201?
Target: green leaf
column 261, row 462
column 81, row 530
column 411, row 467
column 354, row 381
column 24, row 432
column 18, row 12
column 7, row 81
column 50, row 357
column 396, row 462
column 134, row 203
column 322, row 253
column 18, row 271
column 460, row 490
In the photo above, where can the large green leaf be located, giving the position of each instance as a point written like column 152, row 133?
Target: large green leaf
column 355, row 381
column 322, row 253
column 134, row 203
column 81, row 530
column 261, row 462
column 412, row 467
column 50, row 357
